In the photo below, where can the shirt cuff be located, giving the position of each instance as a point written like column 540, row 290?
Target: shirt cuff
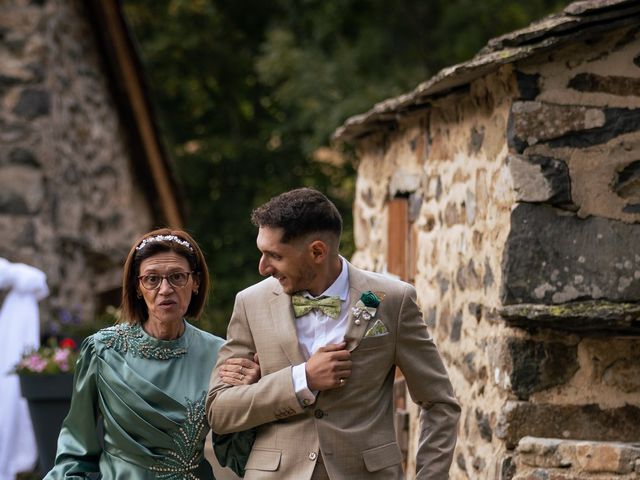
column 305, row 396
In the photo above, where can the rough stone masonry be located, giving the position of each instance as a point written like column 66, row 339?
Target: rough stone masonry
column 69, row 201
column 522, row 173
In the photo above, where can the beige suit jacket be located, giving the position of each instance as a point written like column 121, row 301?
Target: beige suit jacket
column 351, row 427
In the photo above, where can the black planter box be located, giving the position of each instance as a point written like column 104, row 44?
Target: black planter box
column 49, row 397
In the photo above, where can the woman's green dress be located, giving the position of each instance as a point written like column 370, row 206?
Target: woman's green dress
column 150, row 394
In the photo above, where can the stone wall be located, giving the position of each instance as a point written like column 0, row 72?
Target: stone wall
column 69, row 200
column 572, row 253
column 456, row 152
column 523, row 197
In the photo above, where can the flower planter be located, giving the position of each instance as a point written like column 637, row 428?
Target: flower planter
column 49, row 397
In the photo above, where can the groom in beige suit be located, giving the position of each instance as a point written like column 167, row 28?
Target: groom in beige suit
column 328, row 337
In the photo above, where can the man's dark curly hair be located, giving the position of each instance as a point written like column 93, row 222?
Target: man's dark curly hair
column 299, row 212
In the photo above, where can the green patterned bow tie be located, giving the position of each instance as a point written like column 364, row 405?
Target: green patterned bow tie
column 302, row 305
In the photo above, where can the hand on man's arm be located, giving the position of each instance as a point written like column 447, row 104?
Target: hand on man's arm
column 240, row 371
column 233, row 408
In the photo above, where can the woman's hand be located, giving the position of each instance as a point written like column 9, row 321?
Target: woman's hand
column 240, row 371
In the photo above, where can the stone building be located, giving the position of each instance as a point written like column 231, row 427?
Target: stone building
column 507, row 189
column 82, row 169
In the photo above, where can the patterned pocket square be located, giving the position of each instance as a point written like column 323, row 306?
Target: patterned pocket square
column 377, row 329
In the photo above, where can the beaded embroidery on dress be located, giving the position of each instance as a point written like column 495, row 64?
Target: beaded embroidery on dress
column 129, row 338
column 180, row 463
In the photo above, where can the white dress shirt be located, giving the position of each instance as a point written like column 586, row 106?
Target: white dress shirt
column 315, row 330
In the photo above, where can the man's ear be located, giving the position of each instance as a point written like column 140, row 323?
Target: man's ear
column 319, row 251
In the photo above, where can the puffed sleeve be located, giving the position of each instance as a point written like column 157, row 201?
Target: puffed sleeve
column 78, row 445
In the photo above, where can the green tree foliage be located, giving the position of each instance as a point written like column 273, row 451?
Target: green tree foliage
column 249, row 91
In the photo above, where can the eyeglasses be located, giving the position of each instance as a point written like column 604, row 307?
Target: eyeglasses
column 175, row 279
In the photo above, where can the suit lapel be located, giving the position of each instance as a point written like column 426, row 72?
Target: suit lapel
column 284, row 325
column 357, row 285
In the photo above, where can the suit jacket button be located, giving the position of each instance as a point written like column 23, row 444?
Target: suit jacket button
column 313, row 456
column 318, row 413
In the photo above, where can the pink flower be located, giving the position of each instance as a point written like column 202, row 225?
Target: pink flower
column 49, row 359
column 35, row 363
column 61, row 355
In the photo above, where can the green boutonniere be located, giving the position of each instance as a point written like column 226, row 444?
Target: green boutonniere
column 366, row 306
column 370, row 299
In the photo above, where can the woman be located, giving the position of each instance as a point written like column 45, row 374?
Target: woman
column 147, row 377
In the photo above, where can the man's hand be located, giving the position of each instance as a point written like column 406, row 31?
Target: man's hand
column 240, row 371
column 329, row 367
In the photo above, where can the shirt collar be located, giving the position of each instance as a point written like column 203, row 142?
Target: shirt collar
column 340, row 287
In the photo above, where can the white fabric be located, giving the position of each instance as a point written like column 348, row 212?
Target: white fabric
column 315, row 330
column 20, row 327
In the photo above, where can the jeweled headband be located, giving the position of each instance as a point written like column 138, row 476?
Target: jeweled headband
column 163, row 238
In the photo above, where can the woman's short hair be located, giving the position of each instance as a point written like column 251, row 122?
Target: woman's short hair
column 134, row 308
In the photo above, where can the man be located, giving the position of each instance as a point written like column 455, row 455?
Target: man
column 324, row 404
